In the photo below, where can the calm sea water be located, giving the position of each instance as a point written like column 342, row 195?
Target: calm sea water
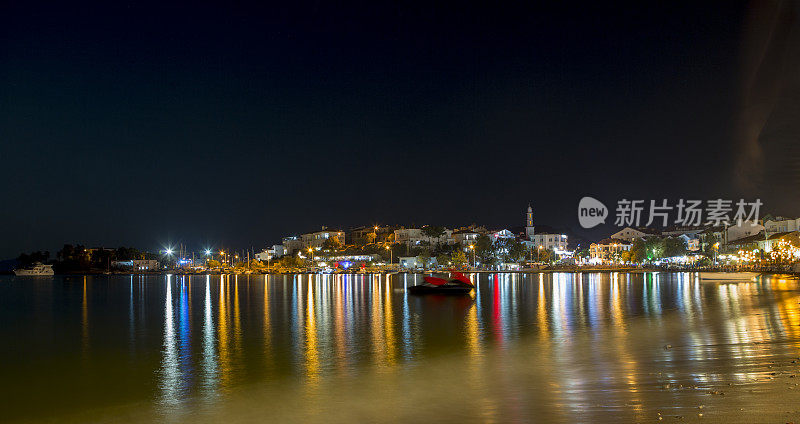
column 304, row 348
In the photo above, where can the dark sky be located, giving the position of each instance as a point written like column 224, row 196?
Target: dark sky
column 141, row 124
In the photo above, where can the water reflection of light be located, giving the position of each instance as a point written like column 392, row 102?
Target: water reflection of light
column 311, row 352
column 222, row 332
column 388, row 320
column 267, row 322
column 472, row 332
column 209, row 361
column 617, row 313
column 237, row 319
column 557, row 307
column 541, row 310
column 84, row 321
column 497, row 316
column 339, row 311
column 184, row 328
column 377, row 323
column 131, row 322
column 170, row 377
column 594, row 302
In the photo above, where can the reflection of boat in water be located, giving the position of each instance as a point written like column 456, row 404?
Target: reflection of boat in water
column 433, row 285
column 37, row 269
column 728, row 276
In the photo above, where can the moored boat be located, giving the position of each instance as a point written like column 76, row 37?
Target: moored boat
column 460, row 284
column 35, row 270
column 729, row 276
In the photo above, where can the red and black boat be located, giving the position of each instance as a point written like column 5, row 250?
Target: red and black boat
column 460, row 284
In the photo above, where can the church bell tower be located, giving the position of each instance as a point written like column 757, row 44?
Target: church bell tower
column 529, row 223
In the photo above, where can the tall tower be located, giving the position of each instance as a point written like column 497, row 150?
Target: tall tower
column 529, row 223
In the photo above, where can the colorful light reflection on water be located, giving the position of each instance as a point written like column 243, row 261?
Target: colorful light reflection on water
column 552, row 347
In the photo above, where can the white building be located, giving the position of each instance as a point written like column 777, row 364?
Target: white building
column 557, row 242
column 631, row 234
column 465, row 237
column 137, row 264
column 503, row 234
column 278, row 250
column 415, row 236
column 608, row 250
column 316, row 239
column 291, row 244
column 268, row 254
column 546, row 237
column 408, row 236
column 748, row 228
column 414, row 262
column 781, row 225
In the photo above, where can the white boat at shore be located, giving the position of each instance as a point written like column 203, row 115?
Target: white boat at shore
column 729, row 276
column 36, row 270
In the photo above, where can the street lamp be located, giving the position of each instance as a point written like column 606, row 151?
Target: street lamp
column 311, row 253
column 391, row 254
column 168, row 252
column 538, row 252
column 716, row 251
column 472, row 248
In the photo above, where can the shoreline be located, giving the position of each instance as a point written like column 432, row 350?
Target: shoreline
column 629, row 270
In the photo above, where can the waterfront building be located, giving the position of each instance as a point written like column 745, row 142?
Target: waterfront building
column 631, row 234
column 291, row 244
column 692, row 244
column 446, row 238
column 546, row 237
column 608, row 250
column 748, row 228
column 316, row 239
column 465, row 236
column 415, row 262
column 268, row 254
column 408, row 236
column 415, row 236
column 768, row 244
column 781, row 224
column 503, row 234
column 137, row 264
column 278, row 250
column 364, row 235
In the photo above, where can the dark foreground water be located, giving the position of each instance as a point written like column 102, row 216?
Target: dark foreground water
column 525, row 348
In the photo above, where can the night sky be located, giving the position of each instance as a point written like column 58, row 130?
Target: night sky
column 140, row 124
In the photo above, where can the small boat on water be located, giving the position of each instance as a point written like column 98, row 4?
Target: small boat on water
column 35, row 270
column 728, row 276
column 460, row 284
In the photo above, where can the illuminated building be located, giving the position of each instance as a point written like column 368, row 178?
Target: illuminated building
column 548, row 238
column 465, row 237
column 137, row 264
column 606, row 250
column 316, row 239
